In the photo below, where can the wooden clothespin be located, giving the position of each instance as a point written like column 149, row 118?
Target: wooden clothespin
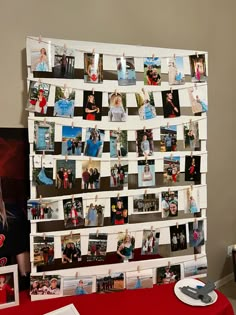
column 65, row 86
column 72, row 124
column 44, row 236
column 72, row 198
column 177, row 225
column 97, row 232
column 44, row 121
column 138, row 269
column 76, row 274
column 71, row 234
column 144, row 129
column 93, row 51
column 93, row 91
column 195, row 257
column 43, row 275
column 197, row 54
column 40, row 39
column 153, row 56
column 96, row 198
column 168, row 264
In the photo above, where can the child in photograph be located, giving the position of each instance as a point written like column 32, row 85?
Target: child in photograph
column 80, row 290
column 116, row 111
column 94, row 145
column 5, row 290
column 42, row 62
column 53, row 289
column 91, row 109
column 39, row 104
column 125, row 249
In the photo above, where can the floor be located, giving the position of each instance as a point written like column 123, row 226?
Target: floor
column 229, row 290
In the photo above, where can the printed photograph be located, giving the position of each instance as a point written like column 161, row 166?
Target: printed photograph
column 152, row 71
column 168, row 138
column 65, row 174
column 109, row 283
column 117, row 107
column 71, row 140
column 64, row 63
column 144, row 142
column 45, row 285
column 43, row 248
column 70, row 248
column 169, row 204
column 38, row 97
column 45, row 210
column 93, row 68
column 94, row 212
column 191, row 136
column 193, row 198
column 119, row 210
column 168, row 274
column 64, row 102
column 118, row 143
column 150, row 242
column 178, row 237
column 44, row 136
column 198, row 68
column 170, row 101
column 80, row 285
column 119, row 174
column 94, row 141
column 125, row 246
column 198, row 100
column 126, row 71
column 194, row 268
column 192, row 168
column 145, row 203
column 43, row 176
column 146, row 105
column 196, row 234
column 97, row 247
column 92, row 105
column 146, row 173
column 176, row 70
column 171, row 169
column 7, row 289
column 73, row 212
column 41, row 58
column 139, row 279
column 91, row 174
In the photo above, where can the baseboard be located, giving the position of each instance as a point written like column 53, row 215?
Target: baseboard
column 224, row 280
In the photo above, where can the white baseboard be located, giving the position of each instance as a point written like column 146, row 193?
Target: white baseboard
column 224, row 280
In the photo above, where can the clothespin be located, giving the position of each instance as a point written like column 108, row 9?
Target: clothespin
column 168, row 264
column 195, row 85
column 71, row 234
column 90, row 160
column 177, row 225
column 96, row 198
column 197, row 54
column 168, row 190
column 118, row 129
column 97, row 232
column 153, row 56
column 66, row 157
column 171, row 156
column 145, row 192
column 123, row 54
column 143, row 90
column 171, row 90
column 39, row 81
column 146, row 158
column 109, row 272
column 151, row 228
column 44, row 236
column 115, row 91
column 118, row 196
column 65, row 47
column 44, row 121
column 95, row 128
column 93, row 91
column 40, row 199
column 43, row 275
column 126, row 232
column 72, row 124
column 119, row 159
column 168, row 124
column 65, row 86
column 93, row 51
column 191, row 154
column 190, row 121
column 174, row 56
column 191, row 187
column 40, row 39
column 72, row 198
column 76, row 274
column 195, row 257
column 144, row 128
column 138, row 269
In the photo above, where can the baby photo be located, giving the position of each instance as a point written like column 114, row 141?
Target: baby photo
column 91, row 174
column 192, row 168
column 71, row 142
column 45, row 285
column 44, row 136
column 168, row 138
column 171, row 169
column 119, row 174
column 170, row 101
column 47, row 209
column 79, row 285
column 146, row 105
column 152, row 71
column 117, row 107
column 144, row 142
column 168, row 274
column 198, row 99
column 146, row 173
column 38, row 97
column 196, row 234
column 113, row 282
column 65, row 174
column 139, row 279
column 176, row 70
column 198, row 68
column 64, row 102
column 92, row 105
column 126, row 71
column 94, row 212
column 97, row 247
column 178, row 237
column 43, row 249
column 169, row 204
column 94, row 141
column 64, row 63
column 125, row 246
column 118, row 143
column 119, row 210
column 145, row 203
column 7, row 290
column 191, row 136
column 40, row 58
column 93, row 68
column 73, row 212
column 150, row 242
column 70, row 247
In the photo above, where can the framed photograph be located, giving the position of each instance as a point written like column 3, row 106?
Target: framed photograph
column 125, row 246
column 119, row 210
column 119, row 174
column 9, row 291
column 176, row 70
column 169, row 204
column 150, row 242
column 126, row 71
column 171, row 169
column 198, row 68
column 71, row 140
column 139, row 279
column 152, row 71
column 45, row 285
column 178, row 237
column 73, row 212
column 144, row 142
column 117, row 107
column 44, row 210
column 198, row 99
column 170, row 101
column 64, row 102
column 65, row 174
column 41, row 60
column 168, row 138
column 191, row 136
column 94, row 140
column 91, row 173
column 66, row 310
column 71, row 248
column 43, row 249
column 38, row 97
column 168, row 274
column 64, row 63
column 44, row 136
column 118, row 143
column 113, row 282
column 196, row 234
column 80, row 285
column 192, row 168
column 93, row 68
column 145, row 203
column 146, row 173
column 146, row 105
column 94, row 212
column 97, row 247
column 92, row 105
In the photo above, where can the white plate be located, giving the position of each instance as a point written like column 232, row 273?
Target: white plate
column 187, row 299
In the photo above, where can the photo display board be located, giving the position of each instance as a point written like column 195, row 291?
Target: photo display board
column 118, row 163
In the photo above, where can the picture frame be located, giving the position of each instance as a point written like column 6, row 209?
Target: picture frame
column 9, row 286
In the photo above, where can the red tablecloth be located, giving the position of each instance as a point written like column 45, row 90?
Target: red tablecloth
column 159, row 300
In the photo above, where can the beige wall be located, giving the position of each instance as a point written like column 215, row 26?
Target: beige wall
column 188, row 24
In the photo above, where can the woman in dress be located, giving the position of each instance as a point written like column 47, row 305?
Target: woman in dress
column 91, row 109
column 39, row 104
column 42, row 63
column 147, row 175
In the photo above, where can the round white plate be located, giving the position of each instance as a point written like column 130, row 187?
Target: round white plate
column 193, row 284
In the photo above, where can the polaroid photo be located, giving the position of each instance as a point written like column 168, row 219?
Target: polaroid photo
column 146, row 105
column 113, row 282
column 195, row 268
column 152, row 71
column 38, row 97
column 93, row 68
column 43, row 248
column 146, row 203
column 170, row 101
column 146, row 173
column 169, row 204
column 44, row 210
column 150, row 242
column 65, row 310
column 193, row 201
column 198, row 100
column 97, row 247
column 119, row 174
column 191, row 136
column 94, row 212
column 91, row 174
column 176, row 70
column 117, row 107
column 64, row 102
column 41, row 59
column 192, row 168
column 92, row 105
column 64, row 63
column 71, row 248
column 198, row 68
column 65, row 176
column 94, row 141
column 118, row 143
column 119, row 210
column 168, row 274
column 73, row 212
column 45, row 285
column 125, row 246
column 168, row 138
column 171, row 169
column 178, row 237
column 71, row 140
column 44, row 136
column 126, row 71
column 9, row 291
column 144, row 142
column 43, row 176
column 80, row 285
column 139, row 279
column 196, row 234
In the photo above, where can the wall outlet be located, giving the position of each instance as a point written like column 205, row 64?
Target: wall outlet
column 230, row 248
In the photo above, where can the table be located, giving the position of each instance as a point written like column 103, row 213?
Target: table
column 158, row 300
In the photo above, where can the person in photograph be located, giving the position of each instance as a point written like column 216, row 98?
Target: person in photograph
column 168, row 142
column 146, row 175
column 138, row 284
column 80, row 290
column 169, row 173
column 145, row 146
column 172, row 72
column 70, row 178
column 85, row 177
column 40, row 104
column 5, row 290
column 45, row 250
column 35, row 286
column 96, row 178
column 173, row 142
column 42, row 62
column 63, row 64
column 165, row 205
column 75, row 252
column 116, row 111
column 93, row 145
column 92, row 71
column 53, row 289
column 149, row 244
column 174, row 242
column 120, row 213
column 173, row 208
column 59, row 177
column 193, row 205
column 74, row 215
column 114, row 176
column 67, row 254
column 191, row 137
column 182, row 240
column 146, row 110
column 50, row 254
column 152, row 76
column 49, row 212
column 92, row 215
column 175, row 173
column 202, row 103
column 33, row 211
column 118, row 146
column 69, row 146
column 91, row 109
column 47, row 140
column 192, row 170
column 125, row 250
column 170, row 108
column 65, row 179
column 197, row 72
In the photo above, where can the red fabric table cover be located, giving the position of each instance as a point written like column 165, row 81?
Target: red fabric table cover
column 159, row 300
